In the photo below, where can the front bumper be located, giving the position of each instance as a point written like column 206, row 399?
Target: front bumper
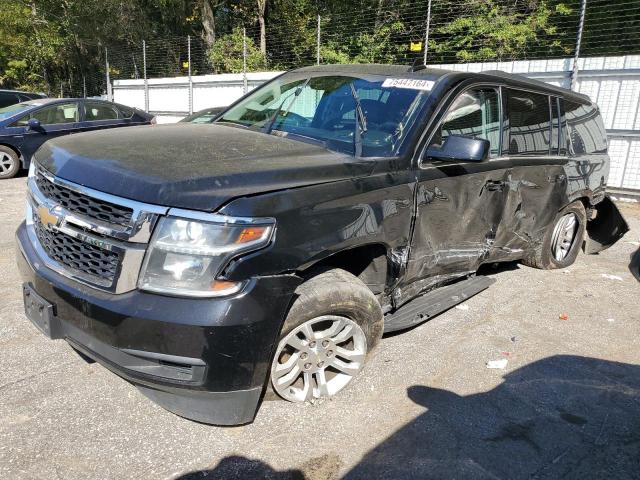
column 203, row 359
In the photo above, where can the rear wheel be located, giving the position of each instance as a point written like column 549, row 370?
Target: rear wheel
column 562, row 240
column 331, row 328
column 9, row 163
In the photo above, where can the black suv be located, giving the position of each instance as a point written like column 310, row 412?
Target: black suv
column 269, row 251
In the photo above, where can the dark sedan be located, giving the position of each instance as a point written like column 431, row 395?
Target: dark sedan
column 11, row 97
column 27, row 125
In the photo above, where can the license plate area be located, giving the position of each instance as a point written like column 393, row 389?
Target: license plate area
column 40, row 312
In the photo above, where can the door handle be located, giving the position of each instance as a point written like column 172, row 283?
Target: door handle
column 494, row 185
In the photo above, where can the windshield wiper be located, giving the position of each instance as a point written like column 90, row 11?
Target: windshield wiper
column 269, row 125
column 361, row 123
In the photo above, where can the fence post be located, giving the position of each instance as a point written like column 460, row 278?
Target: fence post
column 190, row 79
column 574, row 72
column 426, row 34
column 245, row 85
column 144, row 69
column 109, row 90
column 318, row 43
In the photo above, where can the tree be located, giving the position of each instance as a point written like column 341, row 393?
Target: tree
column 262, row 7
column 226, row 54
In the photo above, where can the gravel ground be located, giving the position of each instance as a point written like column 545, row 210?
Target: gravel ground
column 426, row 406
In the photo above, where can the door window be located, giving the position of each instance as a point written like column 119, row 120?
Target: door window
column 56, row 114
column 475, row 113
column 529, row 123
column 100, row 111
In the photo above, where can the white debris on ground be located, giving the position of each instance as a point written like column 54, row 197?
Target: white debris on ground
column 611, row 277
column 462, row 307
column 498, row 364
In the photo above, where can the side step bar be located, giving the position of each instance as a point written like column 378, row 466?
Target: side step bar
column 434, row 302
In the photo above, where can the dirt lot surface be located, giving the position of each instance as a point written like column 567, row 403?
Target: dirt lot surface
column 566, row 405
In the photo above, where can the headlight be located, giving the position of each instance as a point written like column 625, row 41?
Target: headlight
column 186, row 256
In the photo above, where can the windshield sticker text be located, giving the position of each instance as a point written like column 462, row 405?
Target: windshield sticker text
column 412, row 83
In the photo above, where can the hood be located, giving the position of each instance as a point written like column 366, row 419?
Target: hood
column 192, row 166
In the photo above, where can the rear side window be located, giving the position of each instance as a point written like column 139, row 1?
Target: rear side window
column 585, row 129
column 475, row 113
column 529, row 123
column 101, row 111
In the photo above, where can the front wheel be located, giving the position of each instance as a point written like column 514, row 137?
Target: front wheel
column 331, row 328
column 562, row 240
column 9, row 163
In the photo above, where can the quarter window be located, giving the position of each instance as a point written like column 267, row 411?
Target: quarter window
column 586, row 130
column 529, row 123
column 476, row 114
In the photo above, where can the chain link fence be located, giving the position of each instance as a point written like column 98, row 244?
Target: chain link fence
column 425, row 32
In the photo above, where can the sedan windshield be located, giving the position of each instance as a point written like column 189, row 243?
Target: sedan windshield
column 12, row 110
column 363, row 117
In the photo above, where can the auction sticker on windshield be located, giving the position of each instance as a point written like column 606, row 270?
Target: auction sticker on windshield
column 413, row 83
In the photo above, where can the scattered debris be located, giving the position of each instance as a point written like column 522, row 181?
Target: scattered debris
column 611, row 277
column 564, row 316
column 506, row 354
column 566, row 271
column 514, row 339
column 462, row 307
column 635, row 244
column 498, row 364
column 610, row 320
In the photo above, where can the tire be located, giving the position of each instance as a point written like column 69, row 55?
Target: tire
column 9, row 163
column 544, row 256
column 313, row 341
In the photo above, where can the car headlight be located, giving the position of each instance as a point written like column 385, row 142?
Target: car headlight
column 185, row 256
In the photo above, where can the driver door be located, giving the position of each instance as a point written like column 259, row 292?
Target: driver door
column 55, row 120
column 459, row 203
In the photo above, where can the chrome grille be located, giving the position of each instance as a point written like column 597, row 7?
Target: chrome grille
column 82, row 204
column 92, row 237
column 76, row 254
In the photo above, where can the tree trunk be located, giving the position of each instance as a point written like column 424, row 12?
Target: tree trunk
column 262, row 7
column 208, row 24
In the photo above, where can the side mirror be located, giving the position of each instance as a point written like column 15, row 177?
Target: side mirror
column 33, row 124
column 456, row 147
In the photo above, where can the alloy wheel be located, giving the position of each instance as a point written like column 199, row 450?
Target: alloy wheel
column 6, row 163
column 318, row 359
column 564, row 235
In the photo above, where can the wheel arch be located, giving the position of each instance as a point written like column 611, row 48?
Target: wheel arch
column 369, row 262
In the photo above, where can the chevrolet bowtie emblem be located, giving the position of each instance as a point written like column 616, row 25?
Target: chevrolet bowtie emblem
column 48, row 218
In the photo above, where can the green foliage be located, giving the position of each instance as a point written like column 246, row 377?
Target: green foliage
column 498, row 31
column 226, row 54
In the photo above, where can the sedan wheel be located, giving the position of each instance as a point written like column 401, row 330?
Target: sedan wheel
column 8, row 165
column 563, row 236
column 318, row 359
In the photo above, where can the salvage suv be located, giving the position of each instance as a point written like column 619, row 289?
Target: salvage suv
column 266, row 253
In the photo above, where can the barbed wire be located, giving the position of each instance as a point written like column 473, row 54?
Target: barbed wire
column 458, row 32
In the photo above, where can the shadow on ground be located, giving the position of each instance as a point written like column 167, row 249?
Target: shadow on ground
column 634, row 264
column 561, row 417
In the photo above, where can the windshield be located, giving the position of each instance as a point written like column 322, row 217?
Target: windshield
column 12, row 110
column 367, row 117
